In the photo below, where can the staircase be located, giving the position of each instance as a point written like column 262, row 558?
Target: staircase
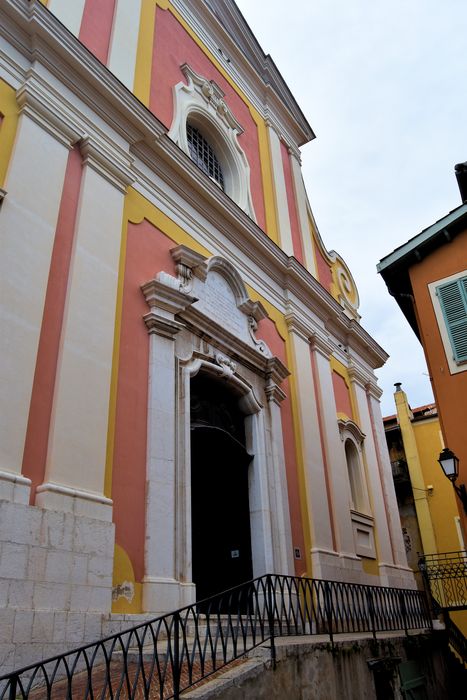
column 161, row 658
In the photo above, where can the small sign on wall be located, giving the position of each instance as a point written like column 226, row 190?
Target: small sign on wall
column 297, row 553
column 235, row 553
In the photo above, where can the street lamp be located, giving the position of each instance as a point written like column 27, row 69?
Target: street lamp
column 450, row 466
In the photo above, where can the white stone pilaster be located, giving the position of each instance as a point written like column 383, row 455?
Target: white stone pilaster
column 336, row 461
column 373, row 473
column 373, row 394
column 312, row 456
column 282, row 206
column 282, row 531
column 162, row 588
column 124, row 41
column 75, row 469
column 301, row 202
column 260, row 504
column 69, row 13
column 27, row 229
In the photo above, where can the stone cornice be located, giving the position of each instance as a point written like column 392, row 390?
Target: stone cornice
column 163, row 295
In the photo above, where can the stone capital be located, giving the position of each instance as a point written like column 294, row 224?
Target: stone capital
column 37, row 102
column 358, row 376
column 274, row 393
column 296, row 326
column 113, row 166
column 321, row 344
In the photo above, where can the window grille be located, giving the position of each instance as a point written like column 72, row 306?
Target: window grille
column 201, row 152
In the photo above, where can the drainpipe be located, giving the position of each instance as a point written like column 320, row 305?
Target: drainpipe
column 461, row 174
column 420, row 493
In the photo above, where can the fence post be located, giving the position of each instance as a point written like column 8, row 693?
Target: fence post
column 176, row 670
column 328, row 609
column 270, row 606
column 13, row 686
column 403, row 611
column 371, row 610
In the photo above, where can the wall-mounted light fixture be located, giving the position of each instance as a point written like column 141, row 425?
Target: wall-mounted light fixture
column 450, row 466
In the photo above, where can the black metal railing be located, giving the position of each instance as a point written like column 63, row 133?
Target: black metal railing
column 456, row 639
column 446, row 576
column 161, row 658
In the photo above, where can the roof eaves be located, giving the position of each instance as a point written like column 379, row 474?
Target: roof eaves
column 422, row 238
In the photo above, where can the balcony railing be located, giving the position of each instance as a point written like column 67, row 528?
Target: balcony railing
column 446, row 575
column 161, row 658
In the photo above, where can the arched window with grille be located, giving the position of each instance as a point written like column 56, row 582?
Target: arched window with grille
column 206, row 129
column 203, row 154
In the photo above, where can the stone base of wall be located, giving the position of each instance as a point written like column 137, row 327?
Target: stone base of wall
column 55, row 581
column 310, row 669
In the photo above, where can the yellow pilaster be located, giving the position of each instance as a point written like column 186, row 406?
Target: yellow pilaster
column 420, row 496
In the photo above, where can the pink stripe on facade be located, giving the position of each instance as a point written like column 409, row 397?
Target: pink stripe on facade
column 293, row 214
column 40, row 410
column 96, row 27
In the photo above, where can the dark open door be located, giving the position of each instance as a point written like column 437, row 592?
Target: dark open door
column 221, row 538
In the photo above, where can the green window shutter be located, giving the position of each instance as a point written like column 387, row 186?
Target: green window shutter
column 453, row 300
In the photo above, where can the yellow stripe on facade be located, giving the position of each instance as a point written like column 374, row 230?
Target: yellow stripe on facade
column 269, row 194
column 8, row 125
column 143, row 68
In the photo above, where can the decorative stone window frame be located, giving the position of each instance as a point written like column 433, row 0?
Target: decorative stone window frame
column 201, row 103
column 454, row 366
column 362, row 520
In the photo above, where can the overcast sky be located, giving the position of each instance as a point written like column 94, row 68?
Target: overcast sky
column 383, row 85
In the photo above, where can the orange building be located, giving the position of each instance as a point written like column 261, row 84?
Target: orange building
column 428, row 278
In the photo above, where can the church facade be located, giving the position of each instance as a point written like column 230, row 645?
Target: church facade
column 188, row 396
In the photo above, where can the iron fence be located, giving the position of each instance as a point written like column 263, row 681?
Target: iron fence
column 161, row 658
column 456, row 639
column 446, row 575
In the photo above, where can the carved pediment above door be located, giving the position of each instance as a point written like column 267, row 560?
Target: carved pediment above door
column 222, row 301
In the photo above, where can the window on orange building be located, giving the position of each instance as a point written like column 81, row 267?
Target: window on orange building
column 452, row 298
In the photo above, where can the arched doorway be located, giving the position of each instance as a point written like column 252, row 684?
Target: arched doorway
column 221, row 537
